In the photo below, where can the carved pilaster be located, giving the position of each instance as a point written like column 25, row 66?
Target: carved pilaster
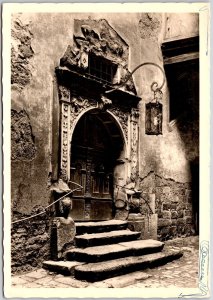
column 65, row 133
column 134, row 142
column 88, row 178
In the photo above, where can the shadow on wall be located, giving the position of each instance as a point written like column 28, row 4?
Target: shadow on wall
column 194, row 166
column 183, row 82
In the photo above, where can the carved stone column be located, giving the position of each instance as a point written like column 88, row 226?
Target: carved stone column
column 134, row 142
column 64, row 97
column 88, row 178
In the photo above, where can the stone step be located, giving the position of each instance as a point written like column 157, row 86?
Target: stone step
column 114, row 251
column 103, row 238
column 101, row 226
column 93, row 272
column 61, row 267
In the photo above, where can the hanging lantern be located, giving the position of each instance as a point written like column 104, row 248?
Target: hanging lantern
column 154, row 117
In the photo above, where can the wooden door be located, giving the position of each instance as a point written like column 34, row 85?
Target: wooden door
column 92, row 163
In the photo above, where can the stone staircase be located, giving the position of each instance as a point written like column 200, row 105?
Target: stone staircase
column 107, row 249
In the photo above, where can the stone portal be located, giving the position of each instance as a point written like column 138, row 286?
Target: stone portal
column 98, row 130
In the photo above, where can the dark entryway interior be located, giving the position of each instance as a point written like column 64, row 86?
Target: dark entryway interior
column 181, row 59
column 96, row 145
column 183, row 83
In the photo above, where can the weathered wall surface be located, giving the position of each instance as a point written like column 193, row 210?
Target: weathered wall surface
column 179, row 26
column 35, row 54
column 168, row 158
column 30, row 242
column 166, row 154
column 38, row 43
column 173, row 204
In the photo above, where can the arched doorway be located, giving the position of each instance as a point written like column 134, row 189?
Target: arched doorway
column 98, row 130
column 96, row 146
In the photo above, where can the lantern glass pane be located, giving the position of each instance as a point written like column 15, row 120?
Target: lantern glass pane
column 153, row 122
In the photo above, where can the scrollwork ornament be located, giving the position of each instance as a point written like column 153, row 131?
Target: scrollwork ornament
column 123, row 119
column 79, row 104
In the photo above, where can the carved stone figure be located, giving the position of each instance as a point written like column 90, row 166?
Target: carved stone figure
column 63, row 227
column 105, row 103
column 64, row 93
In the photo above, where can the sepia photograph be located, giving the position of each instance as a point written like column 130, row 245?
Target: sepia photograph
column 106, row 150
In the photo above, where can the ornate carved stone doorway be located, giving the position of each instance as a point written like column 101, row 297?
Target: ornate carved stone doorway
column 98, row 140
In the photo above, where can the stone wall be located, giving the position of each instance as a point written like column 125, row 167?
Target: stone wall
column 30, row 241
column 174, row 209
column 173, row 205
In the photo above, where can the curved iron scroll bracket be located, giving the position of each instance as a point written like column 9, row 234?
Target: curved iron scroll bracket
column 154, row 85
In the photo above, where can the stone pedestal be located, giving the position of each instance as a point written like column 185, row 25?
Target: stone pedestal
column 147, row 225
column 62, row 236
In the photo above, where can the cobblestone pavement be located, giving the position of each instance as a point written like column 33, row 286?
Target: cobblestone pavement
column 179, row 273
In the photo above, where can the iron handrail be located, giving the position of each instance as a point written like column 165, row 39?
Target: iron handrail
column 43, row 212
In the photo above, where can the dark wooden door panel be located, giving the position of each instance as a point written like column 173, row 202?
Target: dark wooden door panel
column 92, row 168
column 101, row 210
column 78, row 209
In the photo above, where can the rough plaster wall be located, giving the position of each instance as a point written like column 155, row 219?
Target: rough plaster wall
column 34, row 58
column 150, row 25
column 21, row 53
column 22, row 139
column 168, row 155
column 37, row 46
column 178, row 26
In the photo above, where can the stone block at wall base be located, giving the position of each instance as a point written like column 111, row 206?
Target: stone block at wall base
column 147, row 225
column 62, row 236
